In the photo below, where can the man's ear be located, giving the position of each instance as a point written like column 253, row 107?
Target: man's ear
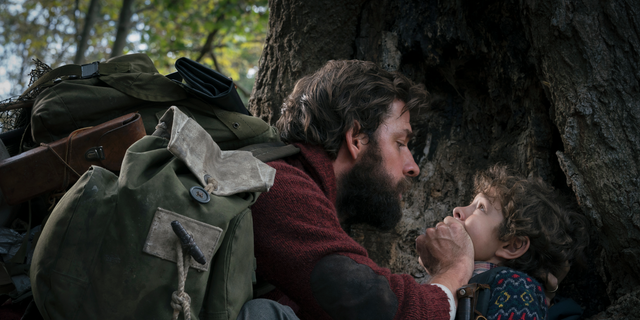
column 514, row 248
column 355, row 140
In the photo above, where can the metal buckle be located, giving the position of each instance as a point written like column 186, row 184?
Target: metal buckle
column 95, row 153
column 89, row 70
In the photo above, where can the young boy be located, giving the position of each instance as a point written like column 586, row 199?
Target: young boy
column 521, row 224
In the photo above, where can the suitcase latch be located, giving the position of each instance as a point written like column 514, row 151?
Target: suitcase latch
column 95, row 153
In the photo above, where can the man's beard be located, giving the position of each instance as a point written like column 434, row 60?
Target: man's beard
column 367, row 193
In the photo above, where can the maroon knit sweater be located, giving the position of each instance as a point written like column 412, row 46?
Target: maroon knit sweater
column 296, row 225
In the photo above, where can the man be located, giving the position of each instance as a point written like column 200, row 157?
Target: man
column 351, row 121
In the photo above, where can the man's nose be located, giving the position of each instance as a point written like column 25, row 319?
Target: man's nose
column 411, row 169
column 458, row 213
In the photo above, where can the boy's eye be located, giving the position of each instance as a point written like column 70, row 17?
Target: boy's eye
column 481, row 207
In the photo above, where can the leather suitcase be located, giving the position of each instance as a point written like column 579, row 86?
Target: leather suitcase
column 59, row 164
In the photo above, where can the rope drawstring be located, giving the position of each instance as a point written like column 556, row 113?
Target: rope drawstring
column 212, row 184
column 67, row 154
column 59, row 157
column 180, row 300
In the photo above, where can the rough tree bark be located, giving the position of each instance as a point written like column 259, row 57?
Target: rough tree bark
column 588, row 53
column 547, row 87
column 302, row 36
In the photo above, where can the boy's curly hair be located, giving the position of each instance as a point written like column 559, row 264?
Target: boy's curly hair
column 532, row 208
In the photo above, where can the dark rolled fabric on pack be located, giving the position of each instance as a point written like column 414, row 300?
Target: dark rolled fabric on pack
column 210, row 85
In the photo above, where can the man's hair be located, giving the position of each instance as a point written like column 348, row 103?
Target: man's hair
column 326, row 104
column 532, row 208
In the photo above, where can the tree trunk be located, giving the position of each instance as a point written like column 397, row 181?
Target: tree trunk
column 124, row 26
column 549, row 88
column 89, row 21
column 302, row 36
column 588, row 53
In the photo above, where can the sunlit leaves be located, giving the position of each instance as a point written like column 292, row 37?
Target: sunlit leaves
column 45, row 30
column 164, row 29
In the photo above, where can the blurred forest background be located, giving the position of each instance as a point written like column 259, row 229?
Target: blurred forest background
column 226, row 35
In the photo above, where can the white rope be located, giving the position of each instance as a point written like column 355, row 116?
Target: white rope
column 180, row 300
column 212, row 185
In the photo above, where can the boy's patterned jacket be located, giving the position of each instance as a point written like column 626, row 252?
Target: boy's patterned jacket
column 516, row 296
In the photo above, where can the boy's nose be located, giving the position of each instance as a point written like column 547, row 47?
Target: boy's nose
column 458, row 213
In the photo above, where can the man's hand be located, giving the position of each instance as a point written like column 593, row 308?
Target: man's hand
column 446, row 252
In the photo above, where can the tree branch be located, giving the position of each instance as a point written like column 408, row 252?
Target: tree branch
column 76, row 11
column 124, row 25
column 17, row 105
column 215, row 61
column 244, row 91
column 224, row 45
column 89, row 22
column 143, row 9
column 207, row 45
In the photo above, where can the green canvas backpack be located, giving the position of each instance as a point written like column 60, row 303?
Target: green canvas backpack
column 75, row 96
column 108, row 250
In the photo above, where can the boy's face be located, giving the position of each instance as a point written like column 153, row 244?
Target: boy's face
column 481, row 220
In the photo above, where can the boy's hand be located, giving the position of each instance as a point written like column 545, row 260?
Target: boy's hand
column 446, row 252
column 553, row 282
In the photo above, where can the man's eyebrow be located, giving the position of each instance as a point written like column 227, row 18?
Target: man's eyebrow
column 409, row 133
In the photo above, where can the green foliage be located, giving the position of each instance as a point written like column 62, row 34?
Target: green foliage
column 164, row 29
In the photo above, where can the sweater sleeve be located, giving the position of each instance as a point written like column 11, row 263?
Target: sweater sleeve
column 515, row 295
column 302, row 250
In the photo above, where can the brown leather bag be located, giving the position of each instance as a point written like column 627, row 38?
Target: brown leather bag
column 58, row 165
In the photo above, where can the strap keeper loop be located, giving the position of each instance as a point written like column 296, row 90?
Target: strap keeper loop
column 89, row 70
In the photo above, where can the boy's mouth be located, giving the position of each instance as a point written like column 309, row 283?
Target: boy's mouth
column 462, row 222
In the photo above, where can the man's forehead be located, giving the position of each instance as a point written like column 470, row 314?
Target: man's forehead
column 401, row 122
column 397, row 127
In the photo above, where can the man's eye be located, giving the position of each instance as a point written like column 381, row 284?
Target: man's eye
column 481, row 207
column 400, row 144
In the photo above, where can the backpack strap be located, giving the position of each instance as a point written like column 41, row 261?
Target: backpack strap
column 482, row 304
column 75, row 71
column 270, row 151
column 266, row 152
column 467, row 297
column 478, row 306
